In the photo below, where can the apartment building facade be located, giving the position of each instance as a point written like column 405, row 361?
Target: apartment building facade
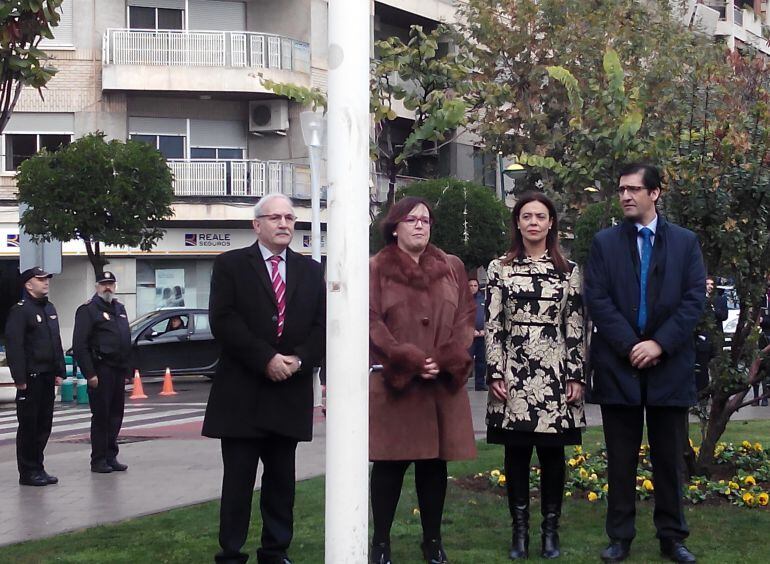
column 186, row 77
column 740, row 24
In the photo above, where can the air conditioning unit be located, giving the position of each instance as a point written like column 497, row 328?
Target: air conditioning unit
column 268, row 115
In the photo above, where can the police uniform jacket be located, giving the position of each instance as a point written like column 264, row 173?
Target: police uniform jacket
column 101, row 335
column 33, row 340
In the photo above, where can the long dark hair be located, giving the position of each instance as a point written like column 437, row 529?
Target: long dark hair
column 551, row 240
column 397, row 213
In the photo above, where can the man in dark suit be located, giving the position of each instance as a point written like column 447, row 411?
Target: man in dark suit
column 644, row 288
column 267, row 311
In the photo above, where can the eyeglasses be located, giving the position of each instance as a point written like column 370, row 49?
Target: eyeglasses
column 413, row 219
column 633, row 190
column 277, row 217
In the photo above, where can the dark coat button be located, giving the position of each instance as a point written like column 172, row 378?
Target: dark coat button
column 274, row 318
column 425, row 321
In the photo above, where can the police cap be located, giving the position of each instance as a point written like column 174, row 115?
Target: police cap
column 35, row 272
column 105, row 277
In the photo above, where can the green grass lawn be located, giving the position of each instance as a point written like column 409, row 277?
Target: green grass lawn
column 476, row 526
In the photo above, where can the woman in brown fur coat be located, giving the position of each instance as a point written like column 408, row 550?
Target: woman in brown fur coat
column 421, row 319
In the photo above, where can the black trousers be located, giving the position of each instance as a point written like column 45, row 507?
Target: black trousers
column 479, row 353
column 387, row 478
column 34, row 410
column 107, row 402
column 623, row 427
column 240, row 458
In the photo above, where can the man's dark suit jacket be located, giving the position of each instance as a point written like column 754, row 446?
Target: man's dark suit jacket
column 243, row 402
column 675, row 300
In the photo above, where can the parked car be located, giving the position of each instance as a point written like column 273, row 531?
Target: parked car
column 177, row 338
column 7, row 386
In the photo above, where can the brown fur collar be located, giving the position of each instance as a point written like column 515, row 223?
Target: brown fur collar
column 399, row 266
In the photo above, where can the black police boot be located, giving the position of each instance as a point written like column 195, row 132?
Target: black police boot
column 33, row 479
column 380, row 553
column 551, row 494
column 101, row 467
column 117, row 466
column 49, row 478
column 433, row 552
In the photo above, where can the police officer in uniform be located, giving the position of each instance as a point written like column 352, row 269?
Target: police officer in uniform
column 102, row 345
column 36, row 361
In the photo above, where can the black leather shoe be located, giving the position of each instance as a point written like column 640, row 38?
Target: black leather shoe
column 380, row 553
column 34, row 479
column 117, row 466
column 433, row 552
column 50, row 479
column 676, row 551
column 101, row 468
column 617, row 551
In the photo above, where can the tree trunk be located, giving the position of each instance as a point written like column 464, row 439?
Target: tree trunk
column 94, row 256
column 719, row 415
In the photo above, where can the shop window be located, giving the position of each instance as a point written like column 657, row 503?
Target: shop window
column 21, row 146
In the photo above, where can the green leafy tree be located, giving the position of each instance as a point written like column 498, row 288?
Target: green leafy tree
column 602, row 134
column 591, row 220
column 104, row 193
column 23, row 24
column 719, row 187
column 470, row 221
column 424, row 76
column 525, row 109
column 427, row 78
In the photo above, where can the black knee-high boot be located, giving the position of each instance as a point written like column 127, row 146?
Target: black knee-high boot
column 551, row 494
column 517, row 483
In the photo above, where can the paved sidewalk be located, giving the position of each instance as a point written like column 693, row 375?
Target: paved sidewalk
column 163, row 473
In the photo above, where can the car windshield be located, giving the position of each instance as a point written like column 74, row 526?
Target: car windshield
column 141, row 319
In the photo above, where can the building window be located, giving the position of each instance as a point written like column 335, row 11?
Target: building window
column 484, row 167
column 62, row 33
column 216, row 153
column 21, row 146
column 170, row 146
column 140, row 17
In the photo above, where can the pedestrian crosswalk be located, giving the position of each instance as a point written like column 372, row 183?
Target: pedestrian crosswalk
column 76, row 420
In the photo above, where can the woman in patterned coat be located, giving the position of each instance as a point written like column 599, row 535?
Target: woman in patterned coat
column 421, row 320
column 535, row 353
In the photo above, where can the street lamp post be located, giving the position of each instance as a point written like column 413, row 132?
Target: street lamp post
column 347, row 260
column 313, row 131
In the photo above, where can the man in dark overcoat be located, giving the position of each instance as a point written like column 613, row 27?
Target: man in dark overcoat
column 644, row 290
column 267, row 311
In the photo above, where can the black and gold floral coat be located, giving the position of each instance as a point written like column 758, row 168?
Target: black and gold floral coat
column 534, row 341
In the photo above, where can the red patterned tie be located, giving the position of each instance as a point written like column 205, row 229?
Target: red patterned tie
column 279, row 287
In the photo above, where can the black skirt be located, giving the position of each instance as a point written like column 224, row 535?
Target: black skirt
column 497, row 436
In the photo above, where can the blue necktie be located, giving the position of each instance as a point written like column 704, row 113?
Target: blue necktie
column 646, row 235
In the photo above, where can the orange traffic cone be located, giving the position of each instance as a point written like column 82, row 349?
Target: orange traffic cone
column 168, row 385
column 138, row 392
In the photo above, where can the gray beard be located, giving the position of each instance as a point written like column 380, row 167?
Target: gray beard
column 106, row 296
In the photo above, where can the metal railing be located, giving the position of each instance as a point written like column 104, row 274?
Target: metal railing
column 738, row 15
column 235, row 49
column 234, row 178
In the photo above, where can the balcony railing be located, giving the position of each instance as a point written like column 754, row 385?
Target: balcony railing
column 238, row 178
column 234, row 49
